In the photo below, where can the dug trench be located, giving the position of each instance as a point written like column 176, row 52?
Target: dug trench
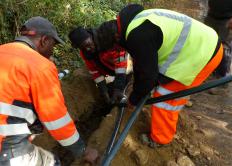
column 85, row 107
column 203, row 136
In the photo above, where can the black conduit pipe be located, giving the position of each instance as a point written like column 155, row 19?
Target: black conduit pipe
column 208, row 85
column 117, row 125
column 121, row 106
column 125, row 131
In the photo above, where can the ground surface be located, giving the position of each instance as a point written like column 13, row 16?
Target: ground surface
column 204, row 134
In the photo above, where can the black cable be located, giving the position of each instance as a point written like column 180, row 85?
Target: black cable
column 116, row 129
column 117, row 145
column 121, row 106
column 208, row 85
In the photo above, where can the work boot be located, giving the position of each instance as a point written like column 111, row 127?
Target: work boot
column 146, row 140
column 189, row 102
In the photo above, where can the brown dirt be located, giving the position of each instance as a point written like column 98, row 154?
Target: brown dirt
column 204, row 134
column 83, row 102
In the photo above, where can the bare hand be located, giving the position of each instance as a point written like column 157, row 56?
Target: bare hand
column 91, row 155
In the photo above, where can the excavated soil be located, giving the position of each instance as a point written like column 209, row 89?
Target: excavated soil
column 204, row 134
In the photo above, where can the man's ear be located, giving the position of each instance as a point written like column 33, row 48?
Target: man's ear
column 44, row 41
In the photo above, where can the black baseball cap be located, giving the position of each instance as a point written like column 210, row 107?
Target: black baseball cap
column 78, row 35
column 40, row 25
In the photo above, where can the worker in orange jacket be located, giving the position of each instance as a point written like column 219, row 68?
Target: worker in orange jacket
column 102, row 62
column 30, row 96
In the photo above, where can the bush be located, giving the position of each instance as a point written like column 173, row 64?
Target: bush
column 64, row 14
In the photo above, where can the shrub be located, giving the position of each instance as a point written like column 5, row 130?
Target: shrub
column 64, row 14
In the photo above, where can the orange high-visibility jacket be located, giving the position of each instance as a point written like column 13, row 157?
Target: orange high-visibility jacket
column 30, row 90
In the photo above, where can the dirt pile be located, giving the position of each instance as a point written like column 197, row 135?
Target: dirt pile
column 204, row 133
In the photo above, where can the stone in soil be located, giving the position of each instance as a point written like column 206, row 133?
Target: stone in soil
column 140, row 156
column 185, row 161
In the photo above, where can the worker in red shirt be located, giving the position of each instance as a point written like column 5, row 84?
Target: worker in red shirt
column 102, row 62
column 31, row 97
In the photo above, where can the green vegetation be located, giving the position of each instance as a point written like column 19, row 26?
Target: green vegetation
column 64, row 14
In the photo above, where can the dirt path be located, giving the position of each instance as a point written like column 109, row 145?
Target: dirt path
column 213, row 116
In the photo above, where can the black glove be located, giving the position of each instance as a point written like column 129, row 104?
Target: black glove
column 104, row 91
column 78, row 148
column 117, row 96
column 106, row 98
column 120, row 81
column 119, row 85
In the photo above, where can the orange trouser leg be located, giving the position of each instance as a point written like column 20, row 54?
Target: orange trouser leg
column 165, row 114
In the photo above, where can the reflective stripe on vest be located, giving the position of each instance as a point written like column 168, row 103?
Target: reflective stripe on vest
column 187, row 44
column 59, row 123
column 71, row 140
column 181, row 40
column 16, row 111
column 14, row 129
column 168, row 107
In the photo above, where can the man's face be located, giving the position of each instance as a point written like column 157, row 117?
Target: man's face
column 88, row 45
column 46, row 46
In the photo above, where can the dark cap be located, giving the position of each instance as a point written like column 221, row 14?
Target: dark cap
column 78, row 35
column 40, row 25
column 126, row 15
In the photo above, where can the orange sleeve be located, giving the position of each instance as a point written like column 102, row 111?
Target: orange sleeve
column 50, row 106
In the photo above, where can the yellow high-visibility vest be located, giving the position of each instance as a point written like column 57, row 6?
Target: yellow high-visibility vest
column 187, row 45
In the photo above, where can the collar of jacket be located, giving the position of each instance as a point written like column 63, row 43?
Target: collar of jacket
column 25, row 40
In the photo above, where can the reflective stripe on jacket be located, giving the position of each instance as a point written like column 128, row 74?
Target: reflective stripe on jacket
column 28, row 77
column 187, row 45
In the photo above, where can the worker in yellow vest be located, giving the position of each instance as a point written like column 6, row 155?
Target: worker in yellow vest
column 171, row 52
